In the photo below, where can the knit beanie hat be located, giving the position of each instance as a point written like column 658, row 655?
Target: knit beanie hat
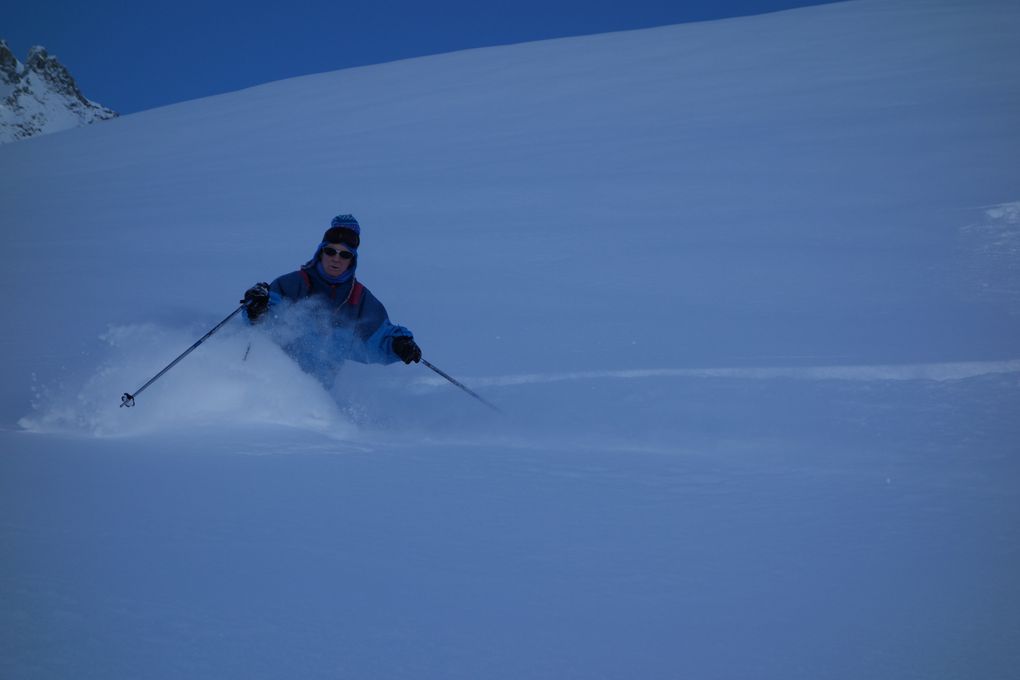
column 343, row 229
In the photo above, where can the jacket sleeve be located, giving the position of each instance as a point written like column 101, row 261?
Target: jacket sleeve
column 374, row 333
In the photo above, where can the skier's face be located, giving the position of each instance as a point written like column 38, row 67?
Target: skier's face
column 335, row 265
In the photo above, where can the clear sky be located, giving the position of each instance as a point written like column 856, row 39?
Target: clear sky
column 133, row 56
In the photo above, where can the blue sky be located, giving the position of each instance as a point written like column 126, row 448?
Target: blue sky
column 136, row 56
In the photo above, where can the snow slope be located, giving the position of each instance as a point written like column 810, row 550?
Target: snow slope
column 747, row 292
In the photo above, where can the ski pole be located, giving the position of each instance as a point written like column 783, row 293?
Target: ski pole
column 461, row 386
column 129, row 399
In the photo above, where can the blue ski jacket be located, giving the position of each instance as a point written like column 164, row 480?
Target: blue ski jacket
column 322, row 324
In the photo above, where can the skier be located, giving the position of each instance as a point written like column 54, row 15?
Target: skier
column 321, row 315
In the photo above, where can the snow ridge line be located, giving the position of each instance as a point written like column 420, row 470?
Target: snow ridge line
column 935, row 372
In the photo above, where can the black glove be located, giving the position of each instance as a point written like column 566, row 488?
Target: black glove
column 407, row 349
column 256, row 299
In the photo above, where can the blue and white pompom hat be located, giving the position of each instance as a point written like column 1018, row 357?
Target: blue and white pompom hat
column 343, row 229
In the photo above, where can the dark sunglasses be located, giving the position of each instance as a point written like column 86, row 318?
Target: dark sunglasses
column 333, row 252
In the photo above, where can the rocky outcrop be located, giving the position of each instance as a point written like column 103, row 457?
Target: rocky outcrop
column 41, row 96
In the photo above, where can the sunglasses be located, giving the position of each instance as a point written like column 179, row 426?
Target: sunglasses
column 333, row 252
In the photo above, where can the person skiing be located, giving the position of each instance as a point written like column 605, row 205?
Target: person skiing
column 321, row 315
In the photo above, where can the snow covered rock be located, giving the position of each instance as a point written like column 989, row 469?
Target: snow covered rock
column 40, row 96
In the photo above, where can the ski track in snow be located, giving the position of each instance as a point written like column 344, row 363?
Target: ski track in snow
column 877, row 372
column 268, row 391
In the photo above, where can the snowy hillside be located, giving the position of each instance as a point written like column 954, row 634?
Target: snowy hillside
column 40, row 96
column 748, row 295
